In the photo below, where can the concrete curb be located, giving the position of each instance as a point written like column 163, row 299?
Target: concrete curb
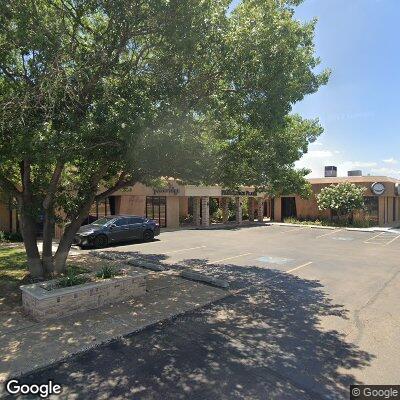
column 303, row 225
column 372, row 229
column 197, row 276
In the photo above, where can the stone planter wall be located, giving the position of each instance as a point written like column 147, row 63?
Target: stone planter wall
column 42, row 303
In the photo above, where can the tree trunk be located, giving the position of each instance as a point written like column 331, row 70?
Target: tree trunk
column 47, row 251
column 48, row 228
column 67, row 239
column 29, row 234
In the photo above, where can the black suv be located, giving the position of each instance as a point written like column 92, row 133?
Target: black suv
column 115, row 229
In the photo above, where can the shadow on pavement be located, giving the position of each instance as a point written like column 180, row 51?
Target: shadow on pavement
column 262, row 343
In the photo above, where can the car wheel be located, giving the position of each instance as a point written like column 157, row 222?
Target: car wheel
column 100, row 241
column 148, row 235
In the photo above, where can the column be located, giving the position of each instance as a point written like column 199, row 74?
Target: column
column 251, row 209
column 225, row 209
column 205, row 211
column 196, row 211
column 238, row 201
column 260, row 210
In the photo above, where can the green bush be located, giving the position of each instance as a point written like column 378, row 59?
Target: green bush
column 342, row 199
column 10, row 237
column 326, row 222
column 107, row 272
column 72, row 279
column 15, row 237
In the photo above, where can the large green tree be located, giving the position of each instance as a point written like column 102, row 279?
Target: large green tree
column 96, row 95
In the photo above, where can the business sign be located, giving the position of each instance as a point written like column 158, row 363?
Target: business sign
column 378, row 188
column 166, row 190
column 229, row 192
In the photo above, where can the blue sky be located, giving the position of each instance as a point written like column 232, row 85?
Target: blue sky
column 359, row 108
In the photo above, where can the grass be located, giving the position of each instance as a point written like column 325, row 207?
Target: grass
column 325, row 222
column 14, row 272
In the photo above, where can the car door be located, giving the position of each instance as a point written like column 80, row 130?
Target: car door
column 119, row 230
column 136, row 227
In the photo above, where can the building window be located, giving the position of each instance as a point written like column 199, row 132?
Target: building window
column 372, row 207
column 156, row 208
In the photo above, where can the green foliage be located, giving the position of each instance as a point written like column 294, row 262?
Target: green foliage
column 107, row 272
column 10, row 237
column 72, row 278
column 114, row 92
column 76, row 269
column 359, row 223
column 342, row 198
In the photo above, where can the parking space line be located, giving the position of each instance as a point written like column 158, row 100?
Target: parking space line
column 178, row 251
column 330, row 233
column 392, row 240
column 300, row 266
column 229, row 258
column 368, row 240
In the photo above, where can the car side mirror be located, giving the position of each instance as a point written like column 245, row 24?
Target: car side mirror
column 113, row 226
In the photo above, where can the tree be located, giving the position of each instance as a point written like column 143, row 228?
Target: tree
column 96, row 95
column 343, row 198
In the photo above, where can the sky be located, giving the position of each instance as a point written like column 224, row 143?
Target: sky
column 359, row 107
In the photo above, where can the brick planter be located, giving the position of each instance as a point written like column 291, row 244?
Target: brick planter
column 42, row 302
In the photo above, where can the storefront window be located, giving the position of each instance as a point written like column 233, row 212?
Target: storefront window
column 372, row 207
column 156, row 208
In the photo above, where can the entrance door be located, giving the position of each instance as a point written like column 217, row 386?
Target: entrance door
column 156, row 208
column 288, row 207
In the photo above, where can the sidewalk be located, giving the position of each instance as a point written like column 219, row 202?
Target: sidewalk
column 371, row 229
column 27, row 345
column 218, row 225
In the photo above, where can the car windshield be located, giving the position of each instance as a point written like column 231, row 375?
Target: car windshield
column 101, row 221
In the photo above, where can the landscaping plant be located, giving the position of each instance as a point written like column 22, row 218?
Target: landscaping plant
column 342, row 199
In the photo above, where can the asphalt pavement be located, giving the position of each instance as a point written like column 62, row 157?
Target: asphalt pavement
column 312, row 311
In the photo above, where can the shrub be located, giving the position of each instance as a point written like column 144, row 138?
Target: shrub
column 342, row 199
column 72, row 279
column 3, row 236
column 107, row 272
column 14, row 237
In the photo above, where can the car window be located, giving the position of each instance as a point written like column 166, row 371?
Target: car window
column 122, row 222
column 135, row 220
column 101, row 221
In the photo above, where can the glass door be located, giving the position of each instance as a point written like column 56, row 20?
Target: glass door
column 156, row 208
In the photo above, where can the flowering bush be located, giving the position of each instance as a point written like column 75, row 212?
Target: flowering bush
column 343, row 198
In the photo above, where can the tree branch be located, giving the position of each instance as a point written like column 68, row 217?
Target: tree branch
column 55, row 179
column 122, row 182
column 9, row 187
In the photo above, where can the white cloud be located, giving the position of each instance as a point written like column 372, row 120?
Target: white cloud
column 386, row 171
column 390, row 161
column 359, row 164
column 316, row 160
column 319, row 154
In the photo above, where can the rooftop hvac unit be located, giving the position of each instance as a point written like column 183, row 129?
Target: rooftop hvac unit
column 330, row 171
column 355, row 172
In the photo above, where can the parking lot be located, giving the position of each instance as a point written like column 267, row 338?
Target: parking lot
column 313, row 311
